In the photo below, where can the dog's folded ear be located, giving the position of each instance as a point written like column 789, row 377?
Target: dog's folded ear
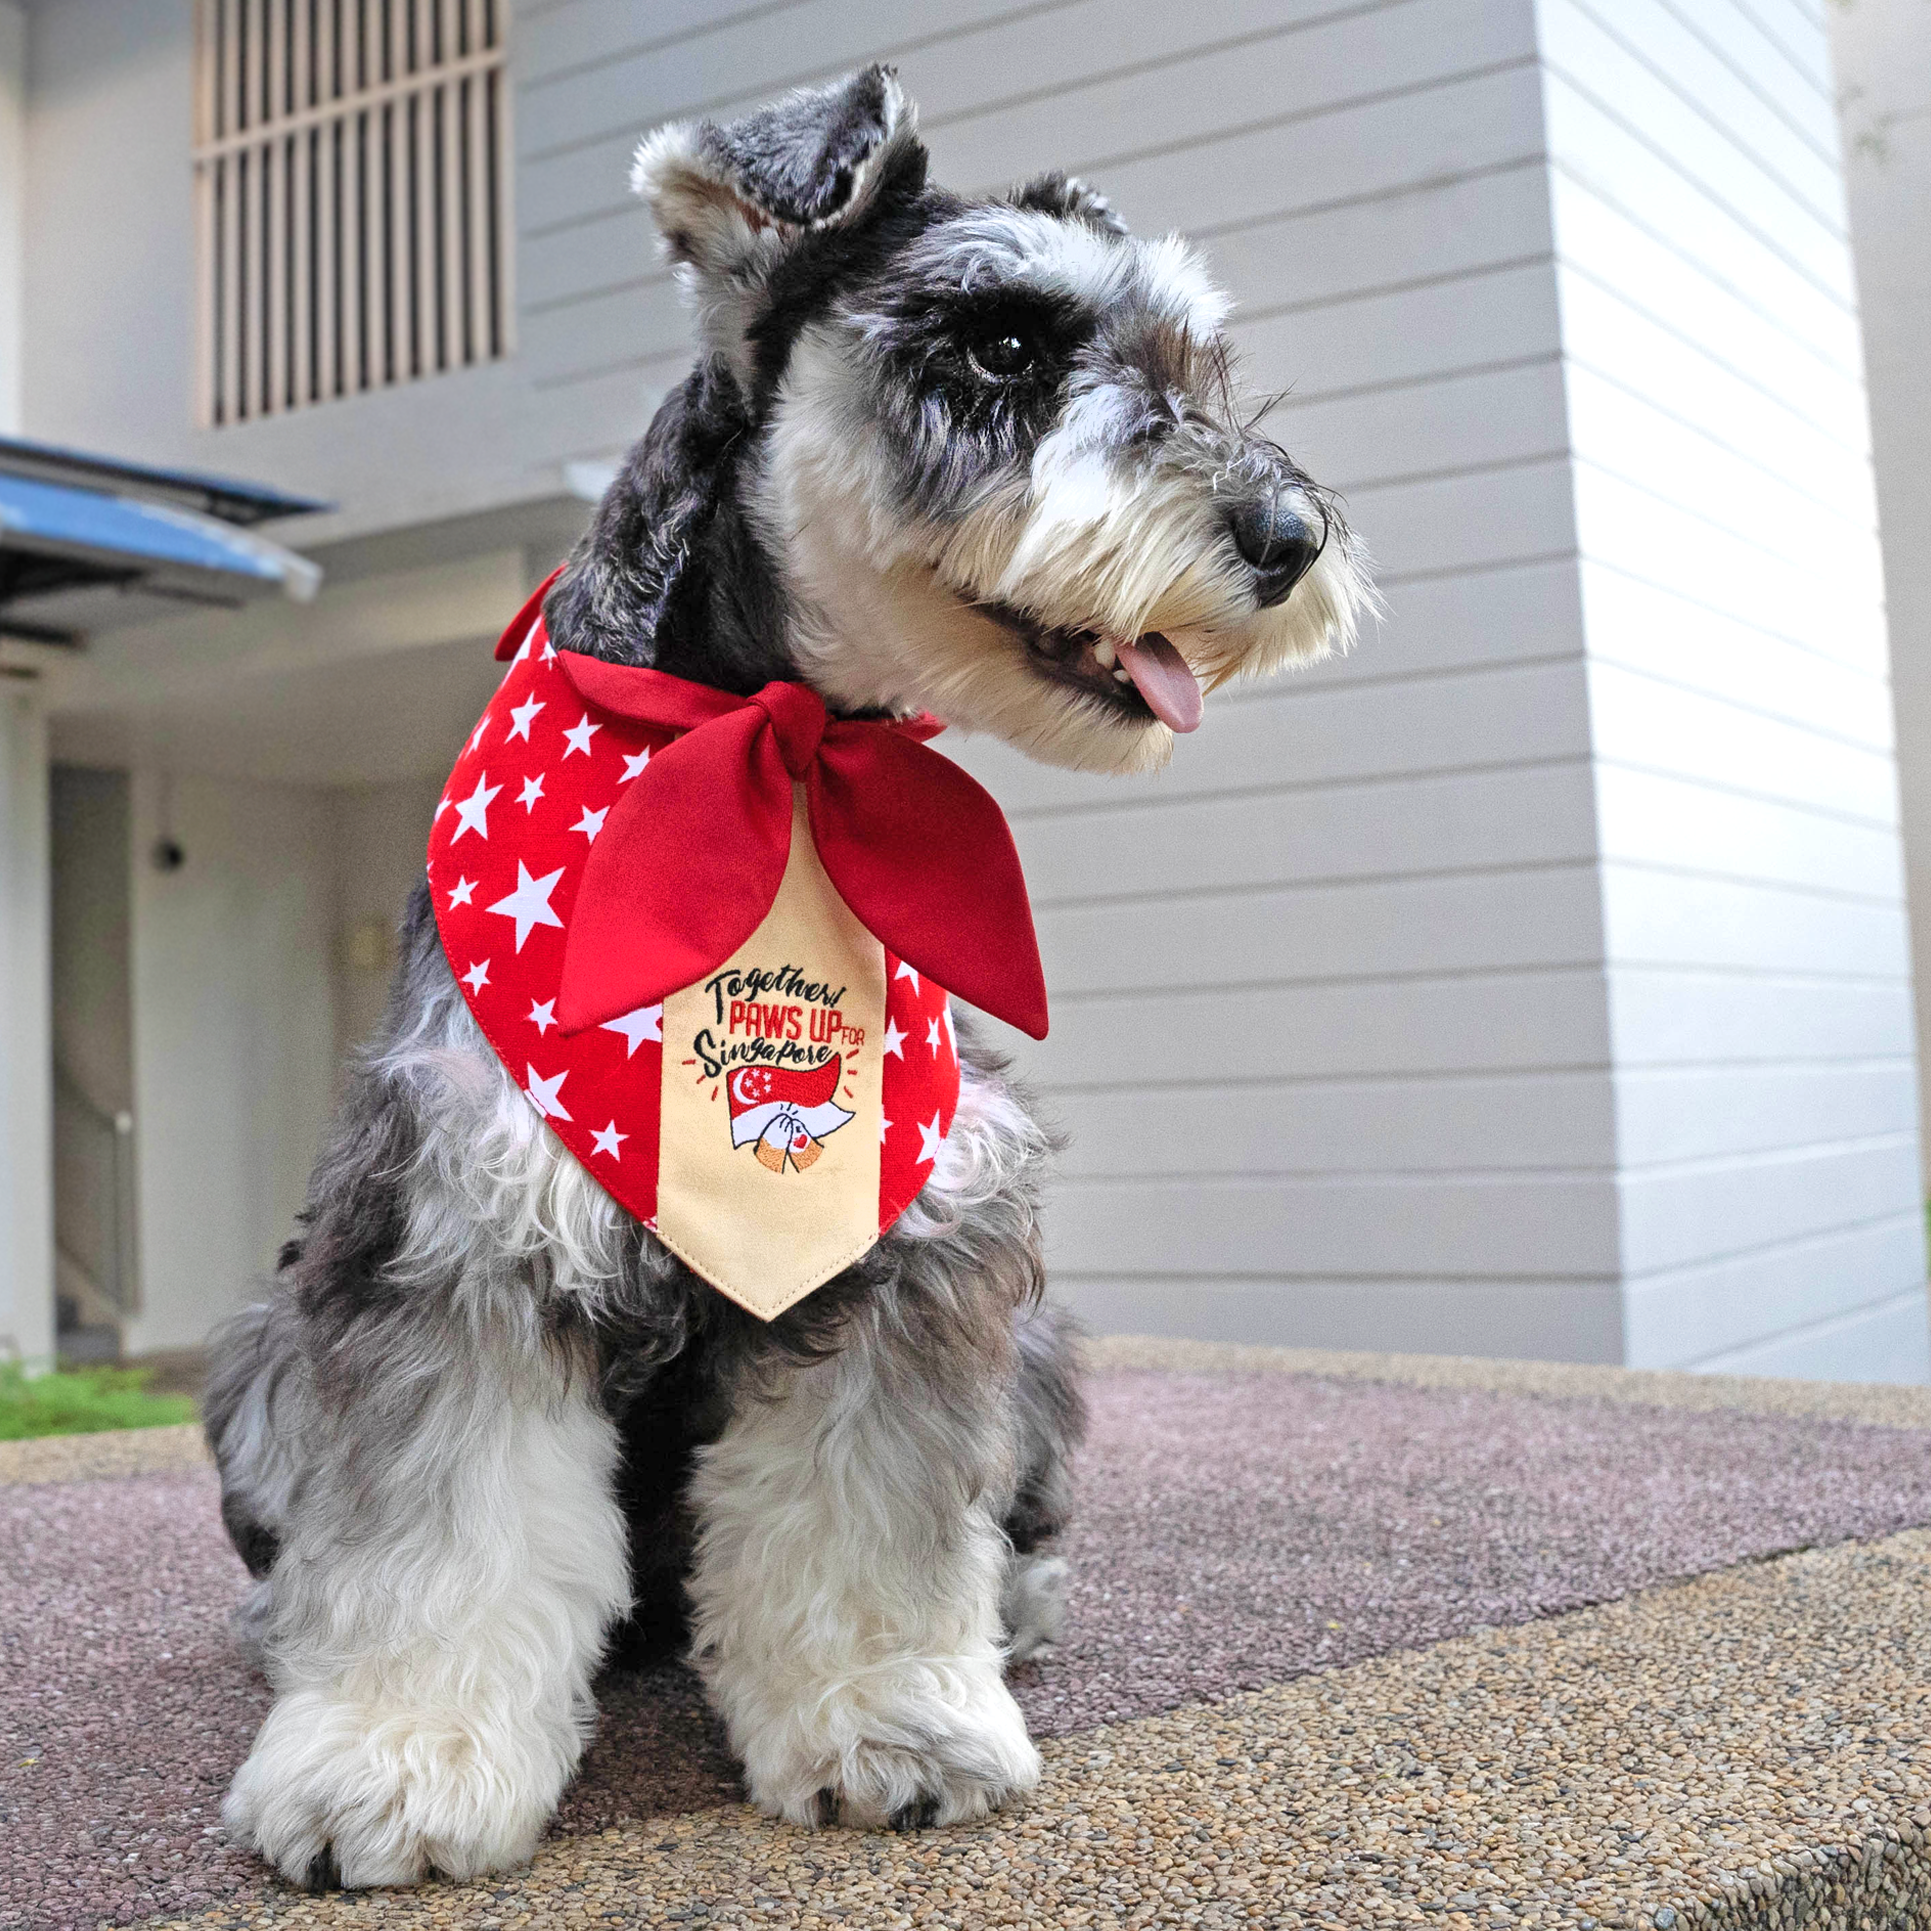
column 730, row 201
column 1064, row 194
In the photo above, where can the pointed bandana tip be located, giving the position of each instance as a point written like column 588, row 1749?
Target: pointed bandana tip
column 689, row 861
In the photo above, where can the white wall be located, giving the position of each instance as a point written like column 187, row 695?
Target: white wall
column 26, row 1053
column 1751, row 874
column 234, row 1038
column 1883, row 60
column 13, row 204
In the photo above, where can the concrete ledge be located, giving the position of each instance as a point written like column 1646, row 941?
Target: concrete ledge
column 113, row 1452
column 1881, row 1404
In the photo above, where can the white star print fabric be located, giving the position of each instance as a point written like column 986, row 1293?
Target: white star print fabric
column 747, row 1113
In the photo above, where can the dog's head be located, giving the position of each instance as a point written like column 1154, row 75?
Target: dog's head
column 981, row 458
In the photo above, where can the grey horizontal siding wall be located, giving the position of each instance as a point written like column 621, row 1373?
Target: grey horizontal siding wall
column 1754, row 919
column 1330, row 1032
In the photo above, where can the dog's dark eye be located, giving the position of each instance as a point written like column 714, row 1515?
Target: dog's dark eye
column 1002, row 352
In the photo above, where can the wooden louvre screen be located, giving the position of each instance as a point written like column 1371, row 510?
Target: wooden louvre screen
column 351, row 171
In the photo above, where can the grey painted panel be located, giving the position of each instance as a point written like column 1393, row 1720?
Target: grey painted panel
column 1686, row 1316
column 1522, row 1320
column 1441, row 524
column 556, row 39
column 1413, row 335
column 1423, row 228
column 1470, row 923
column 1456, row 422
column 1536, row 1120
column 1183, row 74
column 1411, row 825
column 1348, row 153
column 1407, row 1027
column 1527, row 1226
column 1304, row 734
column 1356, row 56
column 1438, row 623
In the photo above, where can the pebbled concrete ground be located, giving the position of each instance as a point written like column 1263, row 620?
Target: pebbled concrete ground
column 1240, row 1531
column 1747, row 1749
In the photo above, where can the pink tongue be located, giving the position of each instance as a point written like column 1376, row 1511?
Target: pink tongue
column 1161, row 675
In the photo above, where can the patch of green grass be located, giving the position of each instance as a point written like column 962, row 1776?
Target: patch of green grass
column 82, row 1401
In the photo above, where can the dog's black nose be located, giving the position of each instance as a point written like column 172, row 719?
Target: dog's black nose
column 1275, row 541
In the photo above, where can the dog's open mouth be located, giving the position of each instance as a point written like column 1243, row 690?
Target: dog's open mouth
column 1141, row 677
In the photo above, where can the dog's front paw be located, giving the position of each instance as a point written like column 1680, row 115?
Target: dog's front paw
column 337, row 1792
column 927, row 1742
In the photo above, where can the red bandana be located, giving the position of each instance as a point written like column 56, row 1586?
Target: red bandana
column 706, row 933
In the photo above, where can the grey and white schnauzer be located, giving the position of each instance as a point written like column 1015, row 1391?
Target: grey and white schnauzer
column 975, row 457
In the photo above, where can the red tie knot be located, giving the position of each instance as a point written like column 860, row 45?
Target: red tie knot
column 797, row 715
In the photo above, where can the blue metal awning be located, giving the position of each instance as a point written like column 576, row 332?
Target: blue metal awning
column 119, row 542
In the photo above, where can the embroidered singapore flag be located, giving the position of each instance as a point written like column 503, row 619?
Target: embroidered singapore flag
column 697, row 928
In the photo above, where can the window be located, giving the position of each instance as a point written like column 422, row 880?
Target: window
column 351, row 170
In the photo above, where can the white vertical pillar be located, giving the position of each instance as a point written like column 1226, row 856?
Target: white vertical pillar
column 26, row 1049
column 1740, row 716
column 1883, row 60
column 13, row 194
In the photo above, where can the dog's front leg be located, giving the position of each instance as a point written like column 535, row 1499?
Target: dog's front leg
column 847, row 1581
column 438, row 1606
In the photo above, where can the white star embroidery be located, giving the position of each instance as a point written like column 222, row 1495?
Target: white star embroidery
column 543, row 1093
column 591, row 822
column 932, row 1037
column 884, row 1127
column 543, row 1015
column 459, row 893
column 529, row 637
column 632, row 766
column 647, row 1022
column 474, row 810
column 442, row 805
column 549, row 651
column 608, row 1141
column 905, row 972
column 477, row 977
column 580, row 733
column 930, row 1139
column 476, row 736
column 525, row 716
column 529, row 904
column 894, row 1039
column 532, row 791
column 951, row 1031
